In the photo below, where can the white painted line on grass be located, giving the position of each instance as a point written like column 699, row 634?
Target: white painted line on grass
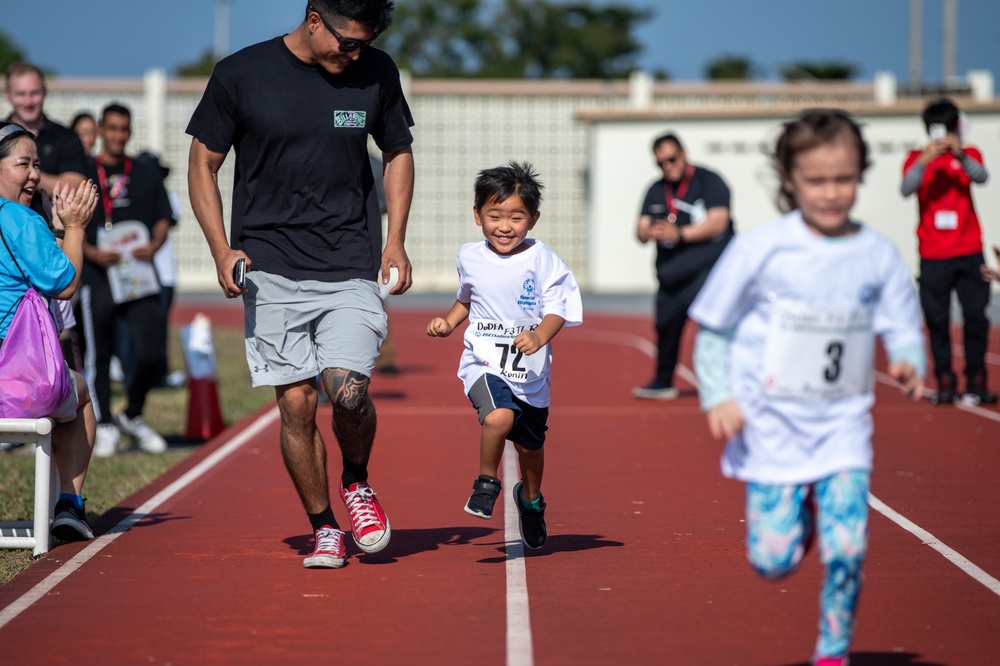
column 956, row 558
column 25, row 601
column 520, row 651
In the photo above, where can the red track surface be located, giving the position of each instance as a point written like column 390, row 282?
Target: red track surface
column 644, row 565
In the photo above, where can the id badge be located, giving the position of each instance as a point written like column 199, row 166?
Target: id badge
column 946, row 220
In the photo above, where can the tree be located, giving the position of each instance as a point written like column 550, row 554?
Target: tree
column 515, row 38
column 10, row 52
column 820, row 69
column 730, row 68
column 203, row 66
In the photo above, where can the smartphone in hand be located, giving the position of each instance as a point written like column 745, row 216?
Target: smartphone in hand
column 937, row 131
column 240, row 273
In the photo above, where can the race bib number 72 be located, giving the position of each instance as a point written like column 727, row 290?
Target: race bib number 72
column 818, row 353
column 493, row 346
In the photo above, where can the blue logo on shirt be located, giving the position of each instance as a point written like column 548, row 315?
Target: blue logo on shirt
column 869, row 294
column 528, row 299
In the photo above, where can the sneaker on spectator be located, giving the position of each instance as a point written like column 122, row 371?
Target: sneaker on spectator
column 70, row 523
column 146, row 438
column 832, row 661
column 329, row 552
column 106, row 443
column 115, row 371
column 976, row 392
column 485, row 490
column 175, row 379
column 655, row 390
column 945, row 394
column 369, row 525
column 531, row 522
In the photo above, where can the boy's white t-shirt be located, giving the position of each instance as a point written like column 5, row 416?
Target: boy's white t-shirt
column 506, row 294
column 806, row 397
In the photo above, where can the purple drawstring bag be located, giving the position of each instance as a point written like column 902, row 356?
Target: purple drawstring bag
column 33, row 377
column 34, row 380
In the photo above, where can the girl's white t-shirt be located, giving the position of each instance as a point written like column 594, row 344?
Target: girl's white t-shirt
column 506, row 295
column 805, row 311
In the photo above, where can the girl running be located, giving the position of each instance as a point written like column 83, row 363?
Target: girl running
column 784, row 359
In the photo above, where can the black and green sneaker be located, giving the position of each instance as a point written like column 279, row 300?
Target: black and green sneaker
column 532, row 521
column 485, row 490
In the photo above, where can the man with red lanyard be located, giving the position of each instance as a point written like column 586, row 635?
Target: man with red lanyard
column 129, row 226
column 686, row 213
column 950, row 242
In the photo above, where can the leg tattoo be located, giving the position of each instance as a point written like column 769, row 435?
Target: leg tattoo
column 353, row 413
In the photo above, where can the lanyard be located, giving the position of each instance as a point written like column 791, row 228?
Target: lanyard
column 107, row 198
column 682, row 188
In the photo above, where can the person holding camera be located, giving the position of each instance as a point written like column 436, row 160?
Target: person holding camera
column 950, row 243
column 686, row 213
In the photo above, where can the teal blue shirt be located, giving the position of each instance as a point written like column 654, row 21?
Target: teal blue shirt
column 43, row 262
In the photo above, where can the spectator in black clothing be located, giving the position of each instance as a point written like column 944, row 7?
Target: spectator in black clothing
column 686, row 213
column 59, row 148
column 129, row 226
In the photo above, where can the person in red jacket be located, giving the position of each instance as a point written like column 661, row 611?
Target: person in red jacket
column 950, row 242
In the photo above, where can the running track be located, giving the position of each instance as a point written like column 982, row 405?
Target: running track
column 644, row 565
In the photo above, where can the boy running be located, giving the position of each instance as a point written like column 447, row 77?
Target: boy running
column 517, row 294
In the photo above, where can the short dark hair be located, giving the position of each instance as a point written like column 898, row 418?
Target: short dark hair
column 116, row 108
column 12, row 134
column 668, row 137
column 376, row 15
column 80, row 117
column 500, row 183
column 811, row 129
column 941, row 111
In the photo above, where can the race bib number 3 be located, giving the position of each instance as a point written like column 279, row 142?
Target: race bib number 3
column 493, row 346
column 818, row 353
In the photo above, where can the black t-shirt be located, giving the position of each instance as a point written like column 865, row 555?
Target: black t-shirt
column 705, row 190
column 304, row 199
column 59, row 149
column 140, row 197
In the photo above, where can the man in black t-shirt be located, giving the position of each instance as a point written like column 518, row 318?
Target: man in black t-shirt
column 60, row 152
column 298, row 111
column 129, row 225
column 687, row 214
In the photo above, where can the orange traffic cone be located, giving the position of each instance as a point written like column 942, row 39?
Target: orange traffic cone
column 204, row 414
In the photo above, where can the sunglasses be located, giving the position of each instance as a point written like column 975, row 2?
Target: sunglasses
column 668, row 160
column 346, row 45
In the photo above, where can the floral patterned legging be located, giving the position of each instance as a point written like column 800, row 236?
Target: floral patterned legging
column 780, row 526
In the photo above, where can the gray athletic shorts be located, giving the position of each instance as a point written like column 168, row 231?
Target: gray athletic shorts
column 67, row 410
column 296, row 328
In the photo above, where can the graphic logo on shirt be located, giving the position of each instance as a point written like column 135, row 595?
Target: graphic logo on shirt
column 118, row 186
column 349, row 118
column 528, row 299
column 869, row 294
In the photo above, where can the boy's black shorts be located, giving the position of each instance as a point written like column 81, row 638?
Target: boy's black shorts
column 490, row 392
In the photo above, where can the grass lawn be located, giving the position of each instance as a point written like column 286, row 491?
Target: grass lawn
column 110, row 480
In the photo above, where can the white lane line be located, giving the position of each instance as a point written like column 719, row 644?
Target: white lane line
column 25, row 601
column 520, row 651
column 928, row 539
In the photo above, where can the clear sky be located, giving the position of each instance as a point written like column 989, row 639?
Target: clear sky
column 124, row 38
